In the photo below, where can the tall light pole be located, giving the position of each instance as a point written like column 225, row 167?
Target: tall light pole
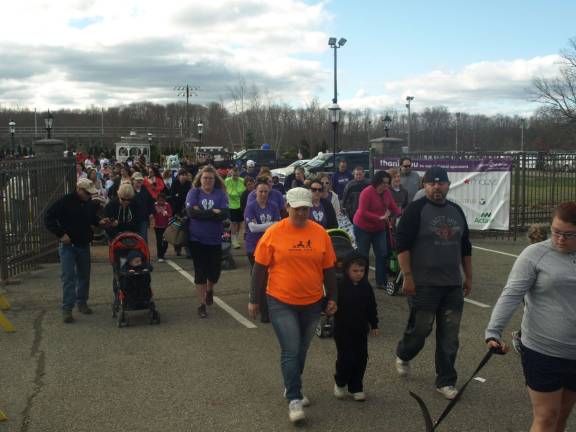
column 48, row 121
column 200, row 131
column 187, row 91
column 457, row 121
column 12, row 129
column 522, row 126
column 409, row 99
column 334, row 111
column 387, row 122
column 333, row 44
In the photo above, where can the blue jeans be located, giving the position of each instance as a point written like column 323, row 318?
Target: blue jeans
column 75, row 274
column 378, row 240
column 444, row 305
column 143, row 231
column 294, row 327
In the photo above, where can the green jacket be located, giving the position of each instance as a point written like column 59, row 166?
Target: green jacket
column 234, row 188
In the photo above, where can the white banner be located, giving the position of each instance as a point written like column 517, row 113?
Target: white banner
column 481, row 187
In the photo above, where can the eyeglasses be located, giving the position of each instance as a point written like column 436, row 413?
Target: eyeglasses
column 566, row 235
column 316, row 189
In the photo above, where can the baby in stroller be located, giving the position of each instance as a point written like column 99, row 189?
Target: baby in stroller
column 132, row 280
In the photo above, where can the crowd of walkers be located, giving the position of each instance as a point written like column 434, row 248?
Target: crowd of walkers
column 283, row 229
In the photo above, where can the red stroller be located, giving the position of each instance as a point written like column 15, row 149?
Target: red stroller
column 132, row 290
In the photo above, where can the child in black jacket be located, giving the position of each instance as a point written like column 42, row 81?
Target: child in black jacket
column 357, row 314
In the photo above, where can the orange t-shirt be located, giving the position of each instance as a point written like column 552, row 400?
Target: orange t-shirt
column 296, row 259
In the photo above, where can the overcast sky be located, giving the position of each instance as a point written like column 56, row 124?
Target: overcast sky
column 478, row 57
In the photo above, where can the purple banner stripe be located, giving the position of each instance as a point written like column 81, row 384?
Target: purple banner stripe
column 478, row 165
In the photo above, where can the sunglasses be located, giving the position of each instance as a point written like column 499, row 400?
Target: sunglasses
column 316, row 189
column 566, row 235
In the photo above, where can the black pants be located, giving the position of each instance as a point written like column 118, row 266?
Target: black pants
column 352, row 346
column 207, row 262
column 262, row 301
column 161, row 244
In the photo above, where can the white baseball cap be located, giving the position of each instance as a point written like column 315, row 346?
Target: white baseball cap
column 299, row 197
column 250, row 163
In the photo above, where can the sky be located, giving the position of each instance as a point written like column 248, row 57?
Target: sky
column 469, row 56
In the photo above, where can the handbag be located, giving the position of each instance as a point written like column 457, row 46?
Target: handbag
column 176, row 232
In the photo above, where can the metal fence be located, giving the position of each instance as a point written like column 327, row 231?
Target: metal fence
column 27, row 188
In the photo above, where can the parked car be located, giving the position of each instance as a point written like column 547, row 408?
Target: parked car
column 282, row 173
column 324, row 162
column 260, row 156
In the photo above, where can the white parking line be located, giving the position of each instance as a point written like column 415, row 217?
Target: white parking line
column 233, row 313
column 495, row 251
column 467, row 300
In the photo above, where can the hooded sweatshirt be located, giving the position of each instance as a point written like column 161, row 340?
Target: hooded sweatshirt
column 357, row 309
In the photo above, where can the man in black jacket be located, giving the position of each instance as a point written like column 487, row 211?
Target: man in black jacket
column 69, row 219
column 145, row 204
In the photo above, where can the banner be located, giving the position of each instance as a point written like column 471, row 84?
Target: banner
column 480, row 186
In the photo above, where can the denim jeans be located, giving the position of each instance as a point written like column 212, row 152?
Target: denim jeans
column 75, row 274
column 294, row 327
column 443, row 304
column 378, row 240
column 143, row 231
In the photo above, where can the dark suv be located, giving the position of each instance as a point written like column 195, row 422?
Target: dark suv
column 325, row 162
column 261, row 157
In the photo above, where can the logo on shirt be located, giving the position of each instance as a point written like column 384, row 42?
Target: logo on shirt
column 444, row 228
column 318, row 215
column 207, row 204
column 302, row 244
column 265, row 218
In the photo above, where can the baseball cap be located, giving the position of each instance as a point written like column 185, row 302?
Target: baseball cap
column 435, row 174
column 299, row 197
column 137, row 176
column 250, row 163
column 87, row 185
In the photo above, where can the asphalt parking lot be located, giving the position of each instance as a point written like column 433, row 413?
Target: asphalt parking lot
column 218, row 374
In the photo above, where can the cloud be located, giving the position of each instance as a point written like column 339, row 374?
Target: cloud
column 107, row 51
column 487, row 87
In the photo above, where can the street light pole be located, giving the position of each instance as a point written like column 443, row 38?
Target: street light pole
column 12, row 128
column 336, row 44
column 187, row 91
column 200, row 131
column 48, row 120
column 409, row 99
column 522, row 125
column 334, row 119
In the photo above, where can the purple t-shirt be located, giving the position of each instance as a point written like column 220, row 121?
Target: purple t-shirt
column 317, row 214
column 208, row 232
column 255, row 213
column 274, row 196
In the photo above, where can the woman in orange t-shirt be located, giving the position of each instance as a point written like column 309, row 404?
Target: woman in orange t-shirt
column 294, row 261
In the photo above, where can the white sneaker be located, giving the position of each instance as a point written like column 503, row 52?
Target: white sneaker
column 305, row 400
column 359, row 396
column 295, row 411
column 449, row 392
column 340, row 392
column 235, row 243
column 161, row 260
column 402, row 367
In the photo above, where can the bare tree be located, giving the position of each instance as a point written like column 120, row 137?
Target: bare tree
column 558, row 94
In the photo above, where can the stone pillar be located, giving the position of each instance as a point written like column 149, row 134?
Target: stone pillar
column 49, row 148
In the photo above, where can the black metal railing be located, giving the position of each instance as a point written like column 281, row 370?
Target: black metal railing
column 27, row 188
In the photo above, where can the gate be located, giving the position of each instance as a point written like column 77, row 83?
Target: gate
column 27, row 188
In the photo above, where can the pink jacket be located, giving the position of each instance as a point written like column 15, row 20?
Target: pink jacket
column 371, row 206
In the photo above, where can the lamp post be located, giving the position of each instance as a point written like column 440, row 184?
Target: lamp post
column 200, row 131
column 522, row 126
column 12, row 129
column 334, row 111
column 409, row 99
column 48, row 120
column 457, row 121
column 333, row 44
column 387, row 122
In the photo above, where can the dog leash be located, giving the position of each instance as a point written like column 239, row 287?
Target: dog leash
column 432, row 426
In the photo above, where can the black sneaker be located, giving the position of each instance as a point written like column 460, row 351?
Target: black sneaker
column 210, row 297
column 84, row 309
column 202, row 311
column 67, row 316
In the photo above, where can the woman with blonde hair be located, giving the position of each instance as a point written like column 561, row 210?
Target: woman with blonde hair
column 207, row 207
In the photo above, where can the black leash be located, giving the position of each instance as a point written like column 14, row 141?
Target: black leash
column 432, row 426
